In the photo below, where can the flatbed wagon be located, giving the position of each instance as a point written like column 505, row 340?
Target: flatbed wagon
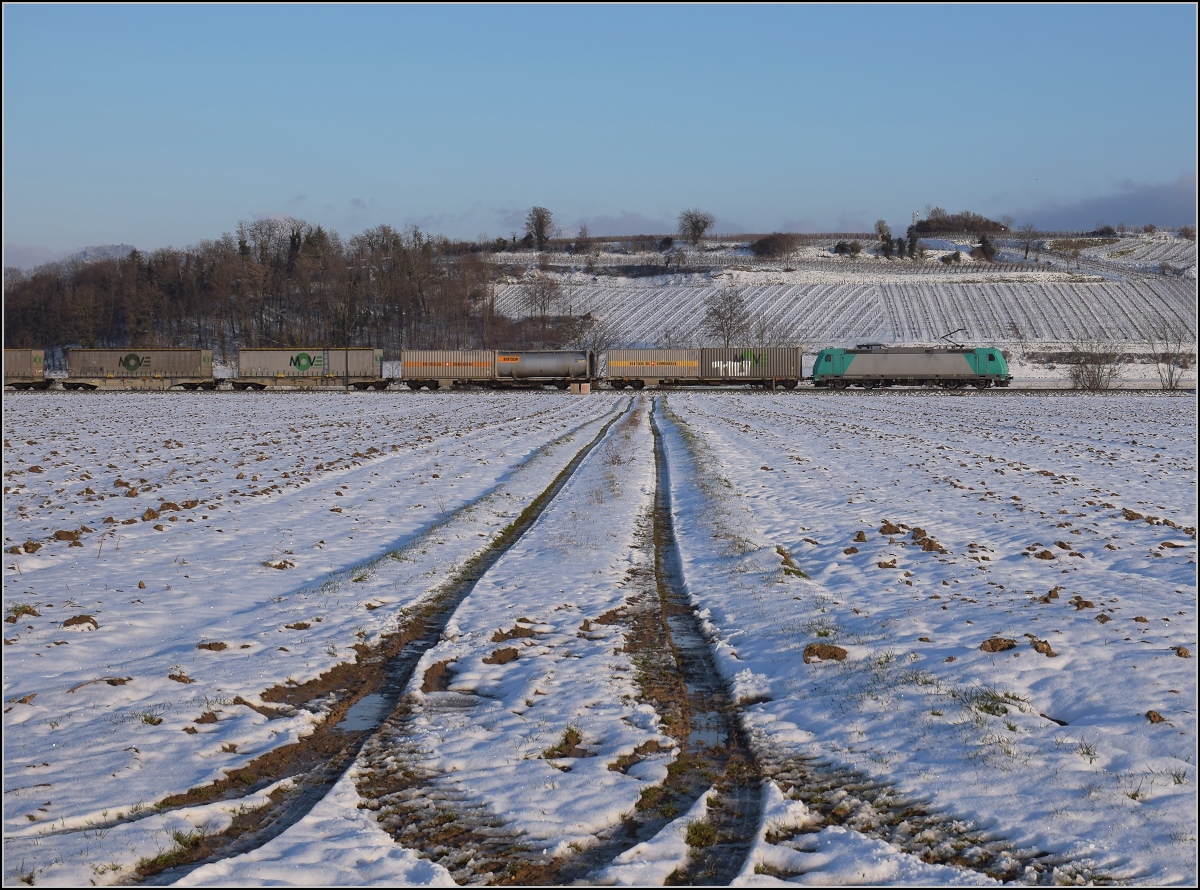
column 140, row 369
column 310, row 368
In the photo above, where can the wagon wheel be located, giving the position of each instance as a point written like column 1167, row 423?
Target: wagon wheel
column 789, row 384
column 638, row 384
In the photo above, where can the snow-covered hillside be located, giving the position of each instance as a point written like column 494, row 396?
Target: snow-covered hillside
column 843, row 306
column 1128, row 290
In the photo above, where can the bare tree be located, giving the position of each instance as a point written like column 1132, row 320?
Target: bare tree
column 1094, row 365
column 768, row 332
column 1174, row 352
column 725, row 316
column 693, row 223
column 791, row 249
column 540, row 293
column 1014, row 331
column 539, row 225
column 1027, row 234
column 594, row 333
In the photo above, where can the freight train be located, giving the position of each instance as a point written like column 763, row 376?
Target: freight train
column 867, row 366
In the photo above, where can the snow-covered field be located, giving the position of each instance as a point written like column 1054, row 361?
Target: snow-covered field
column 1040, row 512
column 173, row 560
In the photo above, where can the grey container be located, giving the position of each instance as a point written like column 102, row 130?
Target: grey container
column 139, row 363
column 779, row 364
column 447, row 365
column 310, row 362
column 24, row 367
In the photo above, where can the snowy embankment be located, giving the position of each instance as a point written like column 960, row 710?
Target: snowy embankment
column 208, row 550
column 998, row 615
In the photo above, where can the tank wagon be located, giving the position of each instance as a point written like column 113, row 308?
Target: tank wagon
column 24, row 369
column 139, row 369
column 870, row 365
column 496, row 369
column 770, row 367
column 310, row 368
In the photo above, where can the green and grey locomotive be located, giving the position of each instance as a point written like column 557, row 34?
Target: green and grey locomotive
column 871, row 364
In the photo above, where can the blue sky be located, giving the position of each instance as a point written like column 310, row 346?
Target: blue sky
column 165, row 125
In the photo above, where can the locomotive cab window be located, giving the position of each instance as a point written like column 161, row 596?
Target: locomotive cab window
column 991, row 356
column 829, row 358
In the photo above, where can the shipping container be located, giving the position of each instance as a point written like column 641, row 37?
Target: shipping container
column 434, row 368
column 139, row 369
column 25, row 369
column 637, row 367
column 310, row 368
column 774, row 365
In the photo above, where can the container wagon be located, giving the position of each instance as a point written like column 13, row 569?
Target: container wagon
column 139, row 369
column 870, row 365
column 770, row 367
column 496, row 369
column 311, row 368
column 24, row 369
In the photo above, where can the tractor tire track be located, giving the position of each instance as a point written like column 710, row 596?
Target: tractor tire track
column 677, row 676
column 319, row 761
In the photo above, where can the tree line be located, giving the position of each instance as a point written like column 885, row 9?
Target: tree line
column 286, row 283
column 271, row 283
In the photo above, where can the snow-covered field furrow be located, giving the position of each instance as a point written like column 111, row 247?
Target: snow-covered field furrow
column 358, row 508
column 1075, row 733
column 1135, row 254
